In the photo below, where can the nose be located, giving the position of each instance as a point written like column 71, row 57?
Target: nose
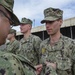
column 20, row 26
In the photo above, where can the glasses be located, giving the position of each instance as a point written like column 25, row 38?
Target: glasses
column 11, row 21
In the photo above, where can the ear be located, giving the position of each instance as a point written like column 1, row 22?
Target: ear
column 30, row 26
column 13, row 34
column 61, row 21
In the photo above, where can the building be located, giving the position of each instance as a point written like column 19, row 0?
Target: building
column 67, row 29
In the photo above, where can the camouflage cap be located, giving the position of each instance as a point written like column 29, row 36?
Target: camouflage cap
column 52, row 14
column 12, row 31
column 8, row 5
column 26, row 21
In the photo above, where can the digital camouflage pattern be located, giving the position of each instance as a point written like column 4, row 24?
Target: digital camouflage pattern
column 48, row 70
column 11, row 64
column 30, row 48
column 52, row 14
column 63, row 53
column 8, row 5
column 2, row 47
column 26, row 21
column 12, row 46
column 12, row 31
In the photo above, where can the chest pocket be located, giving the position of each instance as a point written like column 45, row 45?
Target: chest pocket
column 64, row 60
column 27, row 49
column 61, row 55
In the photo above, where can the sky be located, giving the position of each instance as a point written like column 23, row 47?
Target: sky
column 33, row 9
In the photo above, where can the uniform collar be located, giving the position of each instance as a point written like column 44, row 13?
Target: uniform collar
column 60, row 39
column 28, row 39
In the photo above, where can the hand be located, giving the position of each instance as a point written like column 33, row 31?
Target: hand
column 51, row 64
column 38, row 69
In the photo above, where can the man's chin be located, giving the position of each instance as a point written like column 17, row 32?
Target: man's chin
column 2, row 42
column 50, row 34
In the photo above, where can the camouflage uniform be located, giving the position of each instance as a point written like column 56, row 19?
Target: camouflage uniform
column 11, row 64
column 30, row 48
column 62, row 53
column 2, row 47
column 12, row 46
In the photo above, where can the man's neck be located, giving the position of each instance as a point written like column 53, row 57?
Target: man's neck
column 26, row 35
column 55, row 38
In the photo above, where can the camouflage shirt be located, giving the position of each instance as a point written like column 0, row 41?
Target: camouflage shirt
column 62, row 52
column 30, row 48
column 12, row 46
column 11, row 64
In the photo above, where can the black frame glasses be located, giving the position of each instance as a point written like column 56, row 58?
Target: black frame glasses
column 12, row 22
